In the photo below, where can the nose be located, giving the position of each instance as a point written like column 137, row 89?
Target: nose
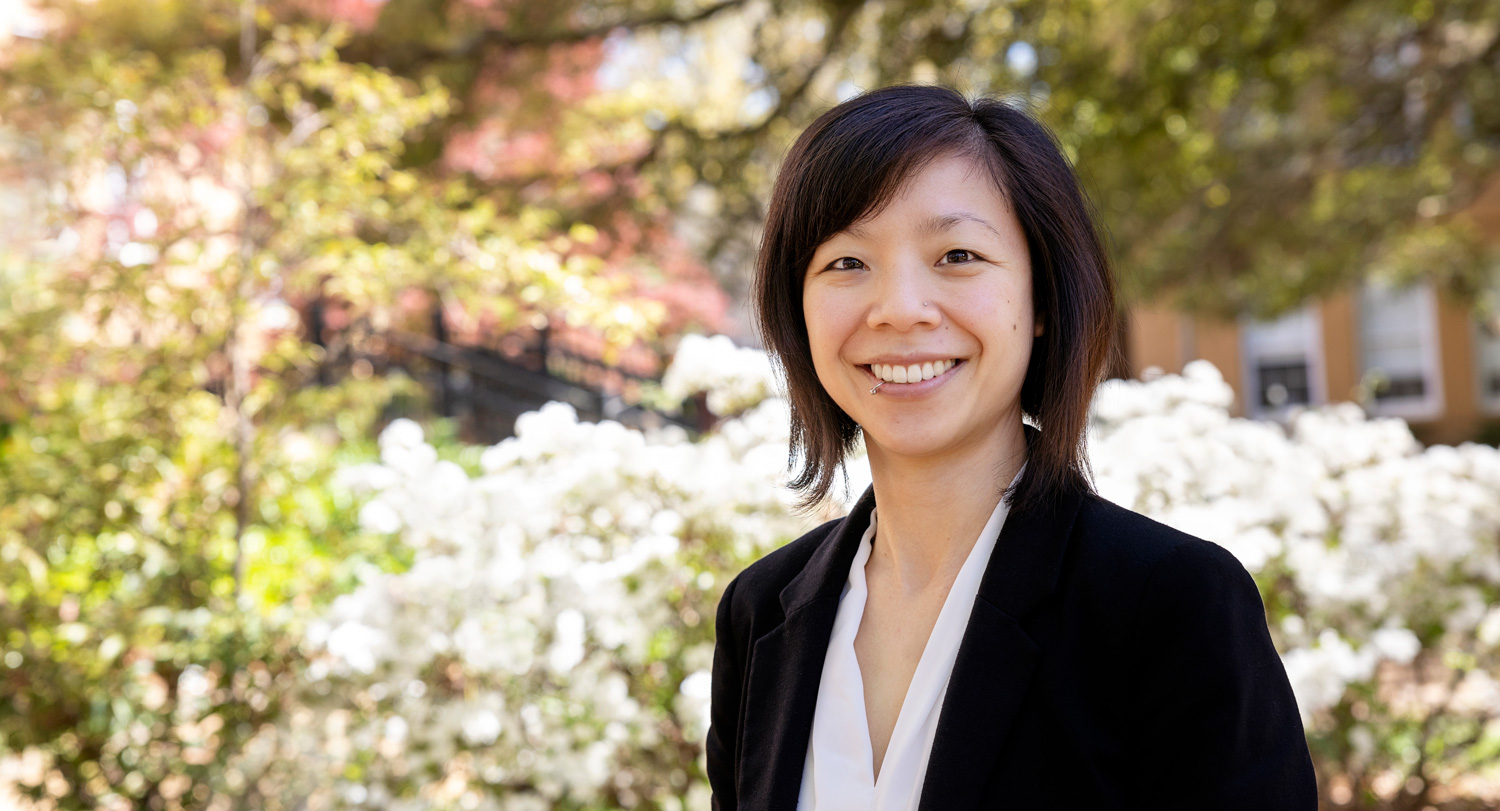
column 904, row 298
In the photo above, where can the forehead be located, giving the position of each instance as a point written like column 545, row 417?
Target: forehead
column 945, row 186
column 931, row 224
column 939, row 195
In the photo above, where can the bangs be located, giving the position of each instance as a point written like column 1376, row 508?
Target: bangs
column 857, row 165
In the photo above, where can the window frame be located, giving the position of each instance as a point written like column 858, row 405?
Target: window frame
column 1312, row 345
column 1489, row 404
column 1416, row 409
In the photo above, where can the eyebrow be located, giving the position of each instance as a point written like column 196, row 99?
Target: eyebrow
column 935, row 224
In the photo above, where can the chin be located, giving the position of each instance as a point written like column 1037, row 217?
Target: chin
column 935, row 438
column 924, row 445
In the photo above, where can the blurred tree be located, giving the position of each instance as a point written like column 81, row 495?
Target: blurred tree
column 1244, row 155
column 166, row 510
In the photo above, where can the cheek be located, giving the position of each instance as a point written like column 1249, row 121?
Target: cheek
column 826, row 327
column 1002, row 314
column 830, row 323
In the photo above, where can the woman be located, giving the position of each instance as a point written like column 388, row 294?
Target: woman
column 994, row 635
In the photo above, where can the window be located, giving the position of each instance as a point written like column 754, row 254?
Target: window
column 1487, row 357
column 1283, row 363
column 1398, row 350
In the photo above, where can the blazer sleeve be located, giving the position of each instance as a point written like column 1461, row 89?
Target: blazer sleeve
column 1214, row 716
column 724, row 706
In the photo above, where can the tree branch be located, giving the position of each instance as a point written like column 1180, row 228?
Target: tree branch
column 492, row 37
column 837, row 27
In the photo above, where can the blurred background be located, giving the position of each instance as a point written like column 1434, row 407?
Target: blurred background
column 287, row 285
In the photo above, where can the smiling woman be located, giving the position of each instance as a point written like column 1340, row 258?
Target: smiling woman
column 909, row 290
column 982, row 630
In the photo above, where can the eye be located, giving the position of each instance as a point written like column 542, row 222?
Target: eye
column 960, row 255
column 834, row 265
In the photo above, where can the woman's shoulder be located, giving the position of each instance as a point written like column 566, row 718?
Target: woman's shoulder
column 754, row 595
column 1133, row 574
column 1194, row 675
column 1132, row 551
column 770, row 574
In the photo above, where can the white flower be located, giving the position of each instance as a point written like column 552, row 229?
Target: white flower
column 567, row 646
column 1396, row 644
column 693, row 701
column 401, row 433
column 550, row 594
column 481, row 727
column 734, row 378
column 379, row 516
column 357, row 645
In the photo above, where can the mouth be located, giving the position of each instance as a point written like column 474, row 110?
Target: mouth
column 914, row 373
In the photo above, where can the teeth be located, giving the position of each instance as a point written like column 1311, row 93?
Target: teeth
column 914, row 373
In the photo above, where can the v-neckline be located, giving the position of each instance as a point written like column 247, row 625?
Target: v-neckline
column 923, row 676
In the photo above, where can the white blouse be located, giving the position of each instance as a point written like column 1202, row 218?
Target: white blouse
column 839, row 772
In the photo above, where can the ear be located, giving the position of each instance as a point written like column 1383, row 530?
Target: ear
column 1038, row 332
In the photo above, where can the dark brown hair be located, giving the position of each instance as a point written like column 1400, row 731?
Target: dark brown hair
column 847, row 166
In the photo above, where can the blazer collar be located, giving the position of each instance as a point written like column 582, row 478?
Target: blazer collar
column 1021, row 572
column 996, row 659
column 828, row 568
column 786, row 665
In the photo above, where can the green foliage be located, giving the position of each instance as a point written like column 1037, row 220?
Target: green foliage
column 118, row 590
column 1244, row 156
column 168, row 516
column 117, row 536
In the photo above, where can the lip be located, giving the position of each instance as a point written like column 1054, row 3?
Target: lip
column 904, row 390
column 907, row 360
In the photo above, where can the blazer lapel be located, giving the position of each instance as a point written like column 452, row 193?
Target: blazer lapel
column 996, row 657
column 786, row 665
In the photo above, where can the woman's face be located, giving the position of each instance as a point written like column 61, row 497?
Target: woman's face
column 933, row 296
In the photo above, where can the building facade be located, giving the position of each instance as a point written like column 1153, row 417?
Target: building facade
column 1411, row 352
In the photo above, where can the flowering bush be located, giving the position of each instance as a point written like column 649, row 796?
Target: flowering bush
column 734, row 378
column 1379, row 562
column 550, row 647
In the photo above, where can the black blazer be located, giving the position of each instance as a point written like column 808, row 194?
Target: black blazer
column 1110, row 662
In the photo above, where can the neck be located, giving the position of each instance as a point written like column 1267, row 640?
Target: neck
column 931, row 510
